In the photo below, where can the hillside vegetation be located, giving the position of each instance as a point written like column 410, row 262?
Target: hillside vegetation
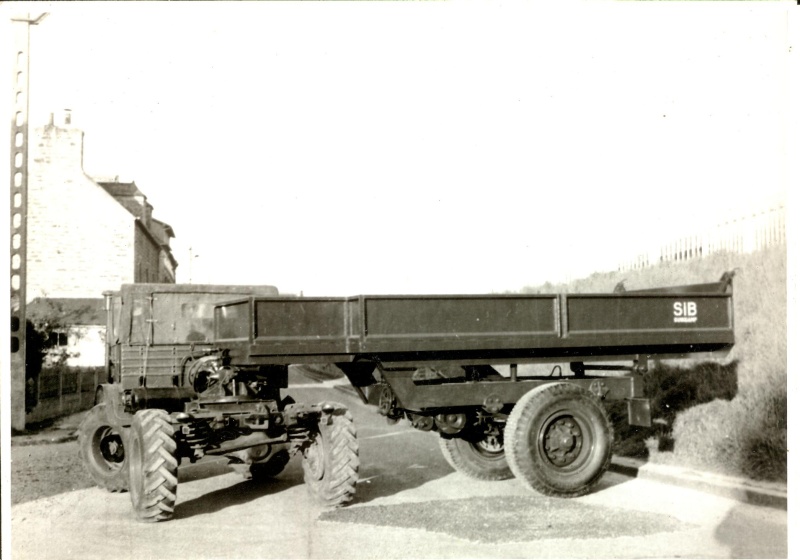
column 729, row 415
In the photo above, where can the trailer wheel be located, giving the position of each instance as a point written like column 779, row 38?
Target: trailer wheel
column 271, row 467
column 101, row 448
column 330, row 460
column 153, row 466
column 558, row 440
column 484, row 459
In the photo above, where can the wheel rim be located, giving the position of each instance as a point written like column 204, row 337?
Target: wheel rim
column 564, row 441
column 490, row 447
column 108, row 450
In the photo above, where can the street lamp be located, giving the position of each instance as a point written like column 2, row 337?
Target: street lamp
column 19, row 213
column 192, row 256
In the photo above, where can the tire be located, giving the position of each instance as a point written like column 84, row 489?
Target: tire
column 101, row 447
column 576, row 423
column 270, row 468
column 483, row 460
column 153, row 466
column 330, row 459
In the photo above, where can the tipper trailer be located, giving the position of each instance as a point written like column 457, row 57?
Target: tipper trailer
column 198, row 370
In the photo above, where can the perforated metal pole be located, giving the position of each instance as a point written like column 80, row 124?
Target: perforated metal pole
column 19, row 214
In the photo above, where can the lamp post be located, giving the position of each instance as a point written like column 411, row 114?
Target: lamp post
column 192, row 256
column 19, row 213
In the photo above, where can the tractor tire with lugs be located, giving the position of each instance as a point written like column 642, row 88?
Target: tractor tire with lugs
column 153, row 466
column 330, row 459
column 101, row 447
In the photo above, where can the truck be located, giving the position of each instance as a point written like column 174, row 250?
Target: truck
column 202, row 370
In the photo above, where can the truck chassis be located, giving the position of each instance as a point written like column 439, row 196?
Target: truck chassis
column 200, row 370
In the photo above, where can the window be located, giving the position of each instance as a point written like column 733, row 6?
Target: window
column 185, row 317
column 57, row 339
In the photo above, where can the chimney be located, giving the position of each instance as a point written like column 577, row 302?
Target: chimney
column 61, row 119
column 59, row 144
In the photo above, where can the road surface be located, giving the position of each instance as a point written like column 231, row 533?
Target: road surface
column 409, row 504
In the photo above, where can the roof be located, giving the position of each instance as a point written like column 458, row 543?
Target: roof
column 69, row 311
column 162, row 231
column 126, row 194
column 245, row 290
column 121, row 189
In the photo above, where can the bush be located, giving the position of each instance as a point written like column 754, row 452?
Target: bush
column 745, row 437
column 727, row 416
column 672, row 390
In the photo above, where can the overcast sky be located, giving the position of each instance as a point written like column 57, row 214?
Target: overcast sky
column 421, row 147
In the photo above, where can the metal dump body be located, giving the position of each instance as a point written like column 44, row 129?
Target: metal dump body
column 474, row 329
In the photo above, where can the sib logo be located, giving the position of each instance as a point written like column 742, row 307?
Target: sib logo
column 684, row 312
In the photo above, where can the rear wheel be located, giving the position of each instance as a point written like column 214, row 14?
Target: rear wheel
column 153, row 466
column 482, row 457
column 101, row 448
column 330, row 459
column 558, row 440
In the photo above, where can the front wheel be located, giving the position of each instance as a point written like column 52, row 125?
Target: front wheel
column 101, row 447
column 558, row 440
column 153, row 466
column 330, row 459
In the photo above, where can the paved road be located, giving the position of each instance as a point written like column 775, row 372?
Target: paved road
column 409, row 505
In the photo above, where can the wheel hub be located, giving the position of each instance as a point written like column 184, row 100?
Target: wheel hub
column 491, row 444
column 110, row 446
column 563, row 441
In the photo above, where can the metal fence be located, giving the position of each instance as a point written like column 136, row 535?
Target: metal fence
column 64, row 391
column 743, row 234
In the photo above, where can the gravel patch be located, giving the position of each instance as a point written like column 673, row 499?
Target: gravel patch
column 511, row 519
column 38, row 471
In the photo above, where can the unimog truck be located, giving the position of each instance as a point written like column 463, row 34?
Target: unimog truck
column 196, row 370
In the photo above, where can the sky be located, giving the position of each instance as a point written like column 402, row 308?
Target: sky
column 338, row 149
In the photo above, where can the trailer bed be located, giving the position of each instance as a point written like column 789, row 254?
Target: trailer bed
column 475, row 328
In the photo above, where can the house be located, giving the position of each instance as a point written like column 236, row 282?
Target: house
column 84, row 236
column 155, row 234
column 77, row 331
column 87, row 236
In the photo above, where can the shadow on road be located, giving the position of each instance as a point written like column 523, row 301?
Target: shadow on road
column 768, row 540
column 414, row 459
column 379, row 482
column 401, row 461
column 205, row 468
column 610, row 480
column 238, row 494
